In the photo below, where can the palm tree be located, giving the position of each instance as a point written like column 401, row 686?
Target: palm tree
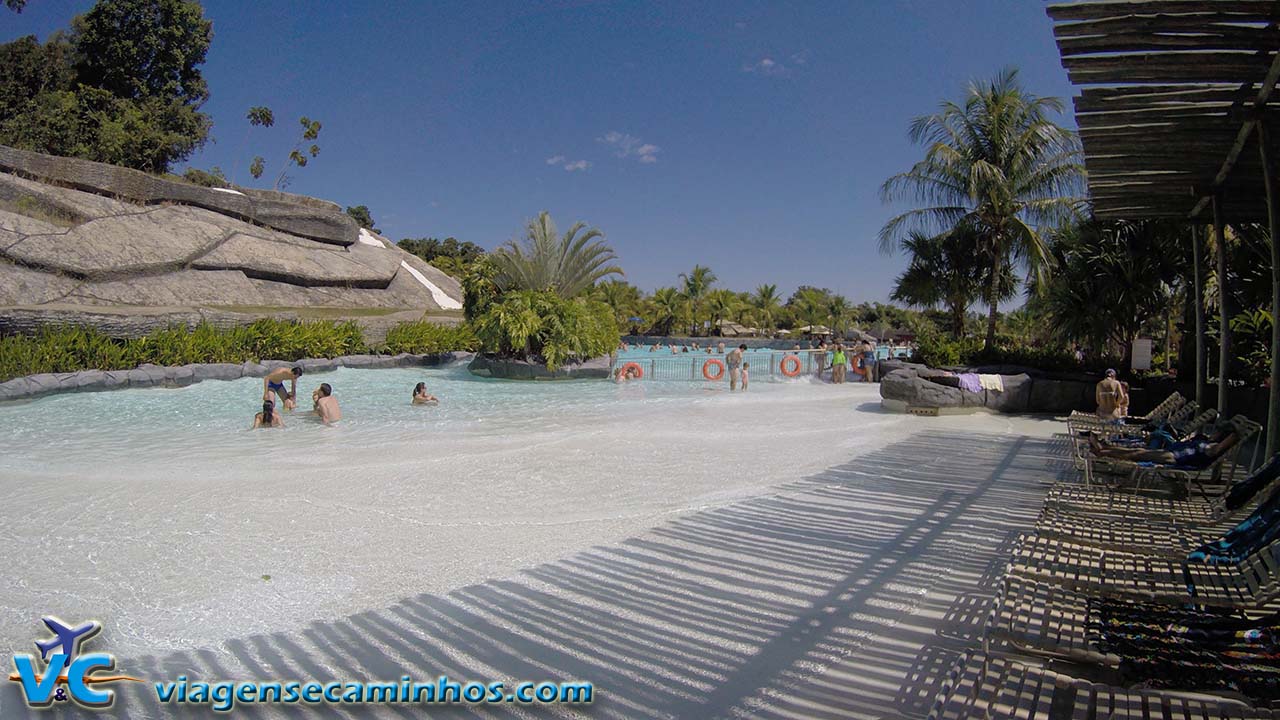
column 838, row 311
column 720, row 305
column 566, row 265
column 621, row 296
column 811, row 303
column 946, row 270
column 696, row 286
column 766, row 302
column 997, row 163
column 669, row 309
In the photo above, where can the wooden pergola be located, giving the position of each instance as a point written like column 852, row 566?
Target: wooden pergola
column 1177, row 121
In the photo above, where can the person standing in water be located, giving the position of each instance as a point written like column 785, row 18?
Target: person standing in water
column 274, row 383
column 734, row 362
column 839, row 364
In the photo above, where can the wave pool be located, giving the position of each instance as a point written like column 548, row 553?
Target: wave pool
column 161, row 514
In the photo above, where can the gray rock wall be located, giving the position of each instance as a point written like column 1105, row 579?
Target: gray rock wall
column 321, row 222
column 509, row 369
column 130, row 240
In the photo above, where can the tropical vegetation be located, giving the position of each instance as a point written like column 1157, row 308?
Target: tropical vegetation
column 450, row 255
column 542, row 325
column 535, row 300
column 68, row 349
column 995, row 166
column 123, row 86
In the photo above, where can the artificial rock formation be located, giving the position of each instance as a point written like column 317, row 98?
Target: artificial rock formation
column 79, row 239
column 906, row 386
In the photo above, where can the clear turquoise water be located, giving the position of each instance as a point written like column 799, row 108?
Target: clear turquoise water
column 208, row 421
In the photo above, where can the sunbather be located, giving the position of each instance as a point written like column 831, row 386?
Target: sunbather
column 1198, row 452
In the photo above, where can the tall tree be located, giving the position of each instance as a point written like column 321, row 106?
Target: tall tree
column 566, row 265
column 838, row 308
column 123, row 87
column 362, row 216
column 947, row 270
column 997, row 162
column 697, row 283
column 767, row 302
column 721, row 304
column 622, row 297
column 669, row 309
column 1110, row 278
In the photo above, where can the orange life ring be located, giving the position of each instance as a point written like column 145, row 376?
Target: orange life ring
column 636, row 365
column 713, row 363
column 792, row 362
column 859, row 366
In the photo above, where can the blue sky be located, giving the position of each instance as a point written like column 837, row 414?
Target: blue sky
column 750, row 137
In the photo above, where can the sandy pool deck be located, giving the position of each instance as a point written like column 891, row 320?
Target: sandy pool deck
column 845, row 590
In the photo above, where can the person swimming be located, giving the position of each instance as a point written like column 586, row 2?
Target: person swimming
column 422, row 397
column 268, row 418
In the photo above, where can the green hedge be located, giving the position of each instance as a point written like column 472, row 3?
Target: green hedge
column 937, row 350
column 424, row 337
column 69, row 349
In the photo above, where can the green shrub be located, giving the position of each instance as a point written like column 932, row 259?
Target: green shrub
column 937, row 350
column 68, row 349
column 540, row 325
column 425, row 337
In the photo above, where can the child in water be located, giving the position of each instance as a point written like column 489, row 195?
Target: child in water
column 742, row 374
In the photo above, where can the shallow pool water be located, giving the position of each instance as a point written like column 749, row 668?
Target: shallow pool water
column 161, row 514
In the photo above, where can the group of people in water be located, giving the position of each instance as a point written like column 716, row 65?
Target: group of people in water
column 323, row 404
column 861, row 357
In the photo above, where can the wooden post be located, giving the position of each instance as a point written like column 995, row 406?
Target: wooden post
column 1224, row 309
column 1273, row 219
column 1197, row 255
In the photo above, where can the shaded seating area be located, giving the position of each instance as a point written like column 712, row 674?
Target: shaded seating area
column 1133, row 601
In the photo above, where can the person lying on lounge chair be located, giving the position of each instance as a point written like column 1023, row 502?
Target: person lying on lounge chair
column 1198, row 452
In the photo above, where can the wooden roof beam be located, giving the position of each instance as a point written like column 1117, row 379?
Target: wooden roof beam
column 1099, row 10
column 1242, row 137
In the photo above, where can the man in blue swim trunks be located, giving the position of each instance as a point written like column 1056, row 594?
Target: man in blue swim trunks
column 274, row 383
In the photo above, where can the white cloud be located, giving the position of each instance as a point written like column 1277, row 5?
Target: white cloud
column 567, row 164
column 766, row 66
column 626, row 145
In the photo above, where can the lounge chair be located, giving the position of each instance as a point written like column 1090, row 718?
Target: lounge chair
column 1206, row 479
column 1083, row 421
column 984, row 686
column 1050, row 621
column 1161, row 526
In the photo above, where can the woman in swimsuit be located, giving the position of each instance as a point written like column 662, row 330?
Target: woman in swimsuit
column 268, row 418
column 421, row 397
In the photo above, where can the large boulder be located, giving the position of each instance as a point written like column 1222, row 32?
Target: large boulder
column 913, row 386
column 484, row 365
column 76, row 236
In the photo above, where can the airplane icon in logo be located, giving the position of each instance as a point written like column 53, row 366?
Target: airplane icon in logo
column 68, row 638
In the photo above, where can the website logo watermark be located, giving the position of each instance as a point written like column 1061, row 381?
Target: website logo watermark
column 63, row 672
